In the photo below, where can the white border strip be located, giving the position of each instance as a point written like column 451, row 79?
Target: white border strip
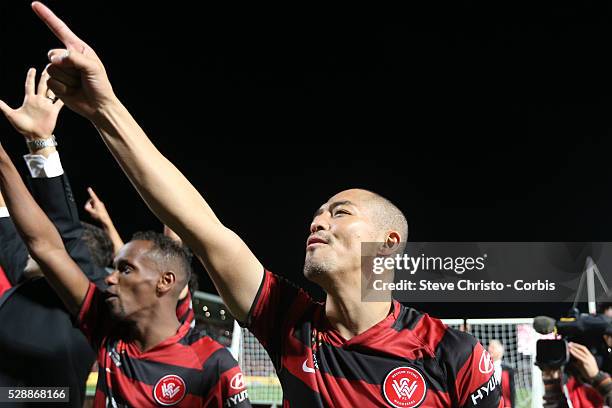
column 527, row 320
column 452, row 321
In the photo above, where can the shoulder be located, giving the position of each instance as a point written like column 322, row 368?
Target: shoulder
column 450, row 346
column 209, row 352
column 456, row 348
column 287, row 286
column 293, row 299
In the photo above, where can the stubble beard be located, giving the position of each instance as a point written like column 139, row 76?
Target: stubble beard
column 315, row 269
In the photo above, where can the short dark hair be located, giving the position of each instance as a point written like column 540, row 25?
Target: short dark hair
column 169, row 253
column 99, row 244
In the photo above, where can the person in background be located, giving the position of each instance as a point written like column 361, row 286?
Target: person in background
column 503, row 373
column 38, row 343
column 97, row 211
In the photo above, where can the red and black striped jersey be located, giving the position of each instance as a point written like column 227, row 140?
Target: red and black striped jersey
column 184, row 310
column 188, row 369
column 407, row 360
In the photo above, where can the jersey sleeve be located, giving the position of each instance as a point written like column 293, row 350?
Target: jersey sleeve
column 271, row 309
column 93, row 318
column 471, row 375
column 228, row 389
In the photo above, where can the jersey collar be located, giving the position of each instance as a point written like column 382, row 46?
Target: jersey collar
column 336, row 339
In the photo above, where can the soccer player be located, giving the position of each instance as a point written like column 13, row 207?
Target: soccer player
column 342, row 353
column 146, row 356
column 47, row 338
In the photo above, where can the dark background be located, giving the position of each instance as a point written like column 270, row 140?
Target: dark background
column 482, row 122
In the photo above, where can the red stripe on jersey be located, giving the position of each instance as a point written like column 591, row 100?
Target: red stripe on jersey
column 229, row 381
column 167, row 355
column 4, row 282
column 205, row 347
column 505, row 384
column 299, row 365
column 582, row 395
column 99, row 399
column 476, row 375
column 184, row 309
column 430, row 331
column 86, row 328
column 405, row 343
column 188, row 356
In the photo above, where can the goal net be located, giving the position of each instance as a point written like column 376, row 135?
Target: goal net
column 518, row 339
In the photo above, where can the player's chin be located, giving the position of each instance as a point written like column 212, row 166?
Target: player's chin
column 315, row 269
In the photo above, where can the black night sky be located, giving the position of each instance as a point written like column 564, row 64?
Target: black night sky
column 483, row 123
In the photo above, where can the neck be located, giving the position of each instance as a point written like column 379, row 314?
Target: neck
column 350, row 315
column 149, row 332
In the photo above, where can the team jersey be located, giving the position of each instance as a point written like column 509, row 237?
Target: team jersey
column 407, row 360
column 184, row 310
column 188, row 369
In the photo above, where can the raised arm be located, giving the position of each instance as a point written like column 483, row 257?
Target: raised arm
column 35, row 119
column 38, row 233
column 42, row 239
column 97, row 210
column 79, row 79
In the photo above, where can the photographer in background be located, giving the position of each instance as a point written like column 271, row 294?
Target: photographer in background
column 588, row 387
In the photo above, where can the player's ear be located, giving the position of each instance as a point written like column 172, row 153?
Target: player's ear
column 390, row 244
column 166, row 282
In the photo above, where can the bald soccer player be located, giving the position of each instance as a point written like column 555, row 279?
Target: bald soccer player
column 341, row 353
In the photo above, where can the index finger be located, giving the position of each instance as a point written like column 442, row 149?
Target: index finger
column 92, row 194
column 57, row 26
column 578, row 354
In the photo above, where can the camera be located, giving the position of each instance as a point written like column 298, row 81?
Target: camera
column 585, row 329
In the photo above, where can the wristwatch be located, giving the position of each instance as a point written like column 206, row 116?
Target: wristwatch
column 41, row 143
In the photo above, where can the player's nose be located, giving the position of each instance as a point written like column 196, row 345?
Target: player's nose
column 319, row 223
column 112, row 279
